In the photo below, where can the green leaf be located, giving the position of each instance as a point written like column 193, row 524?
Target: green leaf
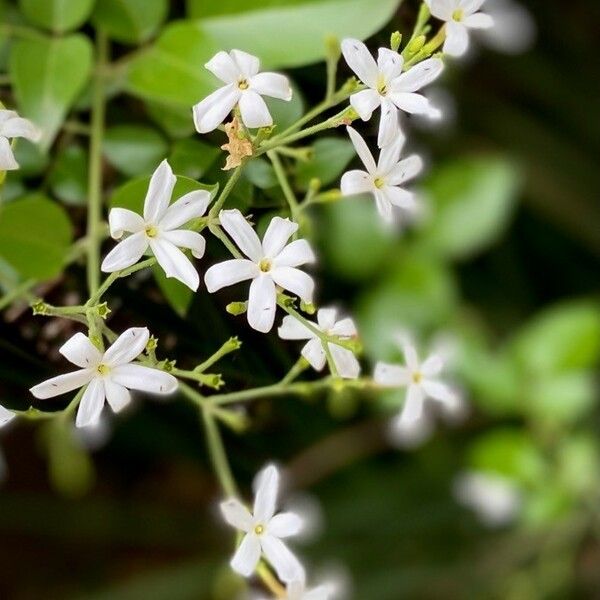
column 192, row 158
column 472, row 202
column 178, row 295
column 68, row 177
column 57, row 15
column 175, row 121
column 134, row 149
column 260, row 173
column 32, row 161
column 197, row 9
column 286, row 113
column 47, row 75
column 281, row 36
column 35, row 236
column 130, row 21
column 331, row 157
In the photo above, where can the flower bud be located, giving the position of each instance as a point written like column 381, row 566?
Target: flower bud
column 395, row 41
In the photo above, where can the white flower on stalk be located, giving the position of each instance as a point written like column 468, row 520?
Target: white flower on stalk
column 269, row 264
column 460, row 16
column 245, row 86
column 388, row 87
column 314, row 351
column 264, row 530
column 160, row 229
column 6, row 415
column 108, row 375
column 420, row 379
column 13, row 126
column 384, row 178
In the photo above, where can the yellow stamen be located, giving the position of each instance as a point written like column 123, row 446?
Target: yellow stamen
column 382, row 86
column 378, row 182
column 458, row 14
column 265, row 265
column 243, row 84
column 151, row 231
column 417, row 377
column 259, row 529
column 103, row 369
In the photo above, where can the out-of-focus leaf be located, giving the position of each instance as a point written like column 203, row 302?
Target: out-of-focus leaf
column 130, row 21
column 260, row 173
column 35, row 235
column 198, row 9
column 472, row 201
column 32, row 161
column 286, row 113
column 579, row 465
column 134, row 149
column 178, row 295
column 331, row 157
column 57, row 15
column 68, row 177
column 290, row 36
column 47, row 75
column 175, row 121
column 192, row 158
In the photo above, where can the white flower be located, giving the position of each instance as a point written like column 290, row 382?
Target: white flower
column 243, row 85
column 13, row 126
column 460, row 16
column 384, row 178
column 268, row 264
column 297, row 590
column 160, row 228
column 5, row 415
column 264, row 530
column 109, row 375
column 388, row 87
column 495, row 499
column 514, row 28
column 314, row 351
column 420, row 380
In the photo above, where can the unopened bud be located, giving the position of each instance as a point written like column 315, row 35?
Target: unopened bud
column 333, row 48
column 395, row 41
column 416, row 45
column 308, row 307
column 152, row 344
column 237, row 308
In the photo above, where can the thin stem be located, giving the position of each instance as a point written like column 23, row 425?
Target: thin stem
column 284, row 184
column 220, row 234
column 233, row 179
column 297, row 369
column 428, row 49
column 231, row 345
column 270, row 581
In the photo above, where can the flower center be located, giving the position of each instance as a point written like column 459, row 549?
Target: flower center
column 379, row 182
column 103, row 369
column 265, row 265
column 243, row 84
column 259, row 529
column 382, row 86
column 151, row 231
column 458, row 15
column 417, row 377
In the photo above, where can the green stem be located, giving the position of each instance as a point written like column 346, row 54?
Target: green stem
column 285, row 184
column 297, row 369
column 231, row 345
column 233, row 179
column 220, row 234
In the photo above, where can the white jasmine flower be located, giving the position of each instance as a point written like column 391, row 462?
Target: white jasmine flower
column 384, row 178
column 245, row 86
column 495, row 499
column 5, row 415
column 460, row 16
column 13, row 126
column 160, row 229
column 270, row 263
column 419, row 378
column 109, row 375
column 264, row 530
column 314, row 351
column 388, row 87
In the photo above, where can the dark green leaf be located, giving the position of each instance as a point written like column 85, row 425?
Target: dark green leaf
column 57, row 15
column 192, row 158
column 68, row 177
column 331, row 157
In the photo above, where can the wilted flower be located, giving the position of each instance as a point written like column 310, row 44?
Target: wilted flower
column 13, row 126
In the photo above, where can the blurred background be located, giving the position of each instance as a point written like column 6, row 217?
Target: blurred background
column 498, row 500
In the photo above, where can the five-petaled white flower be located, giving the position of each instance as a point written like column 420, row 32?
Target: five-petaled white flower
column 264, row 530
column 382, row 179
column 109, row 375
column 13, row 126
column 314, row 351
column 460, row 16
column 420, row 380
column 268, row 264
column 245, row 86
column 160, row 228
column 6, row 415
column 388, row 87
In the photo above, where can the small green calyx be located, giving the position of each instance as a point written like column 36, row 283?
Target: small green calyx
column 103, row 311
column 237, row 308
column 152, row 344
column 308, row 307
column 39, row 307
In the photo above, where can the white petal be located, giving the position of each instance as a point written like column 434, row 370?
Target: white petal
column 405, row 170
column 399, row 197
column 390, row 63
column 389, row 156
column 410, row 355
column 285, row 525
column 247, row 63
column 91, row 405
column 326, row 318
column 344, row 328
column 254, row 110
column 365, row 102
column 322, row 592
column 439, row 391
column 159, row 192
column 188, row 207
column 262, row 302
column 19, row 127
column 442, row 9
column 235, row 224
column 125, row 253
column 278, row 233
column 236, row 514
column 314, row 353
column 479, row 21
column 411, row 103
column 470, row 6
column 388, row 375
column 346, row 363
column 266, row 488
column 292, row 329
column 389, row 125
column 457, row 39
column 145, row 379
column 174, row 262
column 272, row 84
column 384, row 206
column 129, row 345
column 224, row 67
column 356, row 182
column 7, row 158
column 212, row 111
column 432, row 365
column 419, row 76
column 359, row 59
column 247, row 555
column 5, row 416
column 118, row 397
column 362, row 150
column 79, row 350
column 122, row 220
column 183, row 238
column 286, row 565
column 230, row 272
column 413, row 405
column 62, row 384
column 295, row 254
column 295, row 281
